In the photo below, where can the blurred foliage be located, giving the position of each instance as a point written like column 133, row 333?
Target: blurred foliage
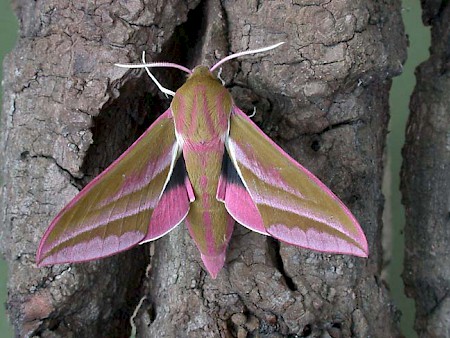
column 419, row 43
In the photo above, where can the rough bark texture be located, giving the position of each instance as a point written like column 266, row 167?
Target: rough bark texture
column 426, row 182
column 68, row 112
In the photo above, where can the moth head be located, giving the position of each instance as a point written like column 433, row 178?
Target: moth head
column 197, row 71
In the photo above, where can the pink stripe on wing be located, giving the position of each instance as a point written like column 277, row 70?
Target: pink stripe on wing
column 99, row 221
column 240, row 205
column 238, row 112
column 170, row 211
column 316, row 240
column 276, row 202
column 270, row 176
column 133, row 183
column 89, row 250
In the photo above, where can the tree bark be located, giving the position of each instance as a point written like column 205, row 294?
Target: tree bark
column 68, row 113
column 426, row 182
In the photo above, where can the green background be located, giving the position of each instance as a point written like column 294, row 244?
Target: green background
column 8, row 34
column 419, row 38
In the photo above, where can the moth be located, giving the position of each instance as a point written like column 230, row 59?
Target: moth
column 204, row 162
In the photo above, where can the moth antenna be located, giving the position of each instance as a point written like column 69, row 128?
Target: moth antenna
column 218, row 76
column 154, row 65
column 164, row 90
column 236, row 55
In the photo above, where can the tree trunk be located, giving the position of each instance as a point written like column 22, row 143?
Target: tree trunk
column 426, row 182
column 68, row 113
